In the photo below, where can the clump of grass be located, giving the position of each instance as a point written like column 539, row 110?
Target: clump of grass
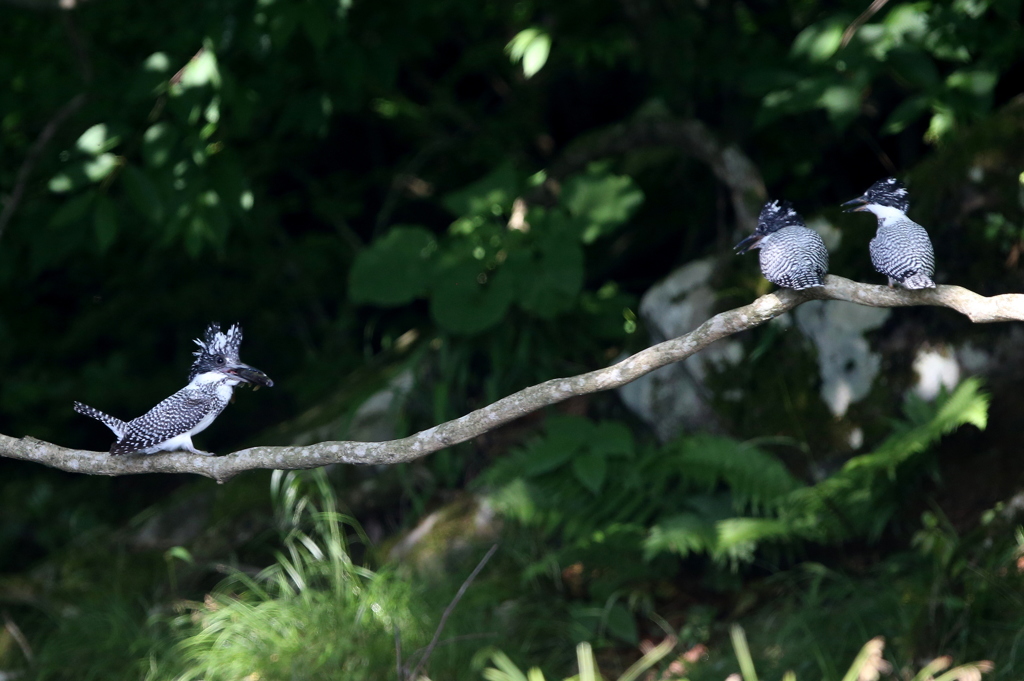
column 869, row 665
column 313, row 614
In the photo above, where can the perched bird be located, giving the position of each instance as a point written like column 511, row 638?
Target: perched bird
column 791, row 254
column 170, row 425
column 901, row 250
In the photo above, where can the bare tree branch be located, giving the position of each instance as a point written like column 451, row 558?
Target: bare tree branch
column 979, row 309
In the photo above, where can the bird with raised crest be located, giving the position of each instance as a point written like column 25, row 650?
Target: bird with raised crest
column 170, row 425
column 792, row 255
column 901, row 249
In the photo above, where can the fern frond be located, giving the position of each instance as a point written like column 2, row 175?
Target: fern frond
column 754, row 477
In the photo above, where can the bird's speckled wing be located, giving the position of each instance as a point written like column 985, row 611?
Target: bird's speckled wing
column 902, row 250
column 179, row 413
column 794, row 257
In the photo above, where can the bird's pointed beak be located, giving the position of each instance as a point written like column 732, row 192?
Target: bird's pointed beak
column 251, row 375
column 857, row 205
column 748, row 243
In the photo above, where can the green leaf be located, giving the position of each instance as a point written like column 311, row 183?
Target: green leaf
column 201, row 70
column 590, row 470
column 98, row 168
column 466, row 300
column 73, row 210
column 395, row 269
column 531, row 46
column 602, row 200
column 74, row 175
column 157, row 143
column 612, row 438
column 978, row 82
column 622, row 624
column 575, row 430
column 506, row 669
column 737, row 538
column 197, row 233
column 548, row 280
column 142, row 193
column 96, row 140
column 941, row 124
column 179, row 552
column 818, row 42
column 753, row 476
column 546, row 455
column 914, row 66
column 909, row 110
column 105, row 223
column 681, row 534
column 842, row 102
column 491, row 195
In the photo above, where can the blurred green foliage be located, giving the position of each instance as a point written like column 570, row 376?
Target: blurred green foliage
column 382, row 189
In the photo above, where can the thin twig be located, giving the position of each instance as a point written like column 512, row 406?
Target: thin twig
column 398, row 653
column 448, row 611
column 81, row 58
column 871, row 11
column 78, row 47
column 19, row 637
column 21, row 181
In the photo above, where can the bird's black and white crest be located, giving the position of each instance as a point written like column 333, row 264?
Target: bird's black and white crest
column 776, row 215
column 216, row 348
column 888, row 192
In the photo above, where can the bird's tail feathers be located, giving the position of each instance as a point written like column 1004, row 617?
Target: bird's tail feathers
column 115, row 424
column 917, row 281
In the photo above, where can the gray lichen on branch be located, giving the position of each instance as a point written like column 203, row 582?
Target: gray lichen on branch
column 979, row 309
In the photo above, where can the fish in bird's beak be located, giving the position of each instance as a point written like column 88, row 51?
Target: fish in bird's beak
column 748, row 243
column 251, row 375
column 857, row 205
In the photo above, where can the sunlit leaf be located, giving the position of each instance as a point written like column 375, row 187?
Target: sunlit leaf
column 72, row 177
column 96, row 140
column 978, row 82
column 531, row 46
column 157, row 142
column 158, row 62
column 942, row 122
column 201, row 70
column 490, row 195
column 603, row 201
column 681, row 534
column 98, row 168
column 842, row 103
column 180, row 553
column 818, row 42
